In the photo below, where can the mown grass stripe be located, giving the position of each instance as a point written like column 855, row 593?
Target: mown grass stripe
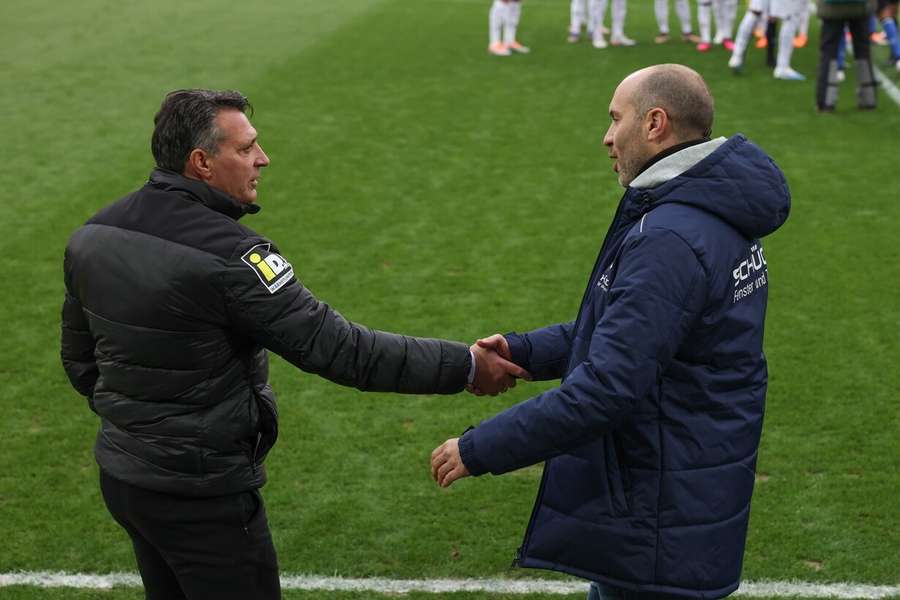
column 757, row 589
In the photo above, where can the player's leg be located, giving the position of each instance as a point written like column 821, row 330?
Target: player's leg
column 827, row 76
column 511, row 26
column 732, row 7
column 617, row 35
column 802, row 37
column 661, row 10
column 597, row 10
column 888, row 17
column 704, row 20
column 742, row 39
column 787, row 11
column 725, row 11
column 576, row 20
column 683, row 10
column 770, row 45
column 496, row 16
column 865, row 77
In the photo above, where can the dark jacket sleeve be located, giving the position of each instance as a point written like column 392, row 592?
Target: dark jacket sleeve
column 657, row 294
column 291, row 322
column 77, row 348
column 543, row 352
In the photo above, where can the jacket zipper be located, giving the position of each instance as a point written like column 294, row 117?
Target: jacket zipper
column 645, row 201
column 613, row 227
column 255, row 451
column 520, row 551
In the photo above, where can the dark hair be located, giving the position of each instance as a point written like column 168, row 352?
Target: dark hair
column 682, row 93
column 186, row 120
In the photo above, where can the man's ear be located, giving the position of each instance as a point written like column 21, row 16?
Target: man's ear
column 657, row 122
column 198, row 165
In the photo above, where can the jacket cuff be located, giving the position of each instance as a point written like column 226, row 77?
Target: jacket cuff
column 455, row 366
column 467, row 454
column 519, row 350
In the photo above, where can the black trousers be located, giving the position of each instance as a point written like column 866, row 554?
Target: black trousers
column 197, row 548
column 826, row 79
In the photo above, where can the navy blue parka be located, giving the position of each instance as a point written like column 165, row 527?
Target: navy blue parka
column 651, row 438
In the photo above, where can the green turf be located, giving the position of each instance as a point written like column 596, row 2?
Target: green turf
column 419, row 185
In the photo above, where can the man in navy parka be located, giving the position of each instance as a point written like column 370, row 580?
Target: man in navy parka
column 652, row 436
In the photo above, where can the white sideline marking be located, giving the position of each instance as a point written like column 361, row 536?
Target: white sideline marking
column 776, row 589
column 887, row 85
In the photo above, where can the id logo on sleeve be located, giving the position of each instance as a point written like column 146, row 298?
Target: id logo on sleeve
column 271, row 268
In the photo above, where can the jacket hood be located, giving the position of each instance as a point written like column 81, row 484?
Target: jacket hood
column 732, row 179
column 201, row 192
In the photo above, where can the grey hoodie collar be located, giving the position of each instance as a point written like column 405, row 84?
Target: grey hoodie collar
column 672, row 166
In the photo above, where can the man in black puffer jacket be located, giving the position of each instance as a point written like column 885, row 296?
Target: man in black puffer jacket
column 170, row 306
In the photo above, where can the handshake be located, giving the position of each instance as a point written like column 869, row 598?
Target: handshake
column 494, row 374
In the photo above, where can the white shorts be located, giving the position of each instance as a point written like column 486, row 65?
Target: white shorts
column 777, row 8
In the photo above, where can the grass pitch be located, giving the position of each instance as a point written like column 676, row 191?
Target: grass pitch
column 421, row 186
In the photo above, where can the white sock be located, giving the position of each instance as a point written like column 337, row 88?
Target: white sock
column 513, row 12
column 597, row 10
column 717, row 19
column 495, row 20
column 661, row 9
column 803, row 18
column 704, row 18
column 684, row 15
column 744, row 33
column 732, row 13
column 576, row 16
column 725, row 13
column 786, row 42
column 619, row 9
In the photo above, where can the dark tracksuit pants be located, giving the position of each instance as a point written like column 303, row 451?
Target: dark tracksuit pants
column 197, row 548
column 826, row 79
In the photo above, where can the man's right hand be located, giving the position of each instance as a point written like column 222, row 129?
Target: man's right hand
column 498, row 344
column 494, row 373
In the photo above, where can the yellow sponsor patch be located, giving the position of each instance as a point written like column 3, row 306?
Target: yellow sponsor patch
column 271, row 268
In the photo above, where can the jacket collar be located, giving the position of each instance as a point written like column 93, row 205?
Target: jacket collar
column 198, row 191
column 672, row 165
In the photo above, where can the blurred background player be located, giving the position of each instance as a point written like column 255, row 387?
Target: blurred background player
column 887, row 16
column 582, row 13
column 683, row 10
column 617, row 35
column 854, row 15
column 787, row 11
column 801, row 38
column 503, row 19
column 725, row 12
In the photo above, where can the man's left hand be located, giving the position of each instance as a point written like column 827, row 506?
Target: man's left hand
column 446, row 464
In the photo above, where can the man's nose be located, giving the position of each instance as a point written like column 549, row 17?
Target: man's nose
column 607, row 137
column 262, row 160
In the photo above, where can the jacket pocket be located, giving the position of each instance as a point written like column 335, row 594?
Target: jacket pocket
column 617, row 477
column 267, row 432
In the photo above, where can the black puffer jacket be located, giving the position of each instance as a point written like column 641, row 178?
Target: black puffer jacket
column 170, row 304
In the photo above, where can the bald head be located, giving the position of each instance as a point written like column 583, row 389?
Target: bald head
column 680, row 92
column 653, row 110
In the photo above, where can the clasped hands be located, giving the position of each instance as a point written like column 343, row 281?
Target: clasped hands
column 494, row 370
column 494, row 374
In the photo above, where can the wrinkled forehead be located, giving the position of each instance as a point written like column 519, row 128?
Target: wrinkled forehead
column 234, row 125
